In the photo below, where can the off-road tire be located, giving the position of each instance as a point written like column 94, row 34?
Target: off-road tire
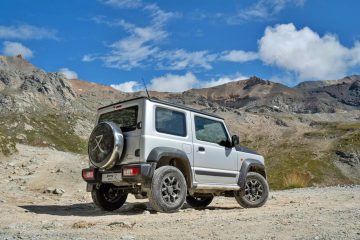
column 168, row 190
column 199, row 202
column 107, row 198
column 255, row 193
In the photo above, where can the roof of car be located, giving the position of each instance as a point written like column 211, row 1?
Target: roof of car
column 166, row 103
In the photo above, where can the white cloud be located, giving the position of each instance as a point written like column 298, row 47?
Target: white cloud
column 355, row 54
column 16, row 48
column 223, row 80
column 88, row 58
column 181, row 59
column 140, row 46
column 123, row 3
column 238, row 56
column 69, row 74
column 173, row 83
column 132, row 51
column 177, row 83
column 130, row 86
column 263, row 10
column 26, row 32
column 158, row 16
column 306, row 53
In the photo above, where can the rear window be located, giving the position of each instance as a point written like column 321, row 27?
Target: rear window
column 170, row 122
column 125, row 118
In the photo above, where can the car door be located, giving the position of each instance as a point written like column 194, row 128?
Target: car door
column 213, row 162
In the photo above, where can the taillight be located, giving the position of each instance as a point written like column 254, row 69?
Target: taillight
column 88, row 174
column 130, row 172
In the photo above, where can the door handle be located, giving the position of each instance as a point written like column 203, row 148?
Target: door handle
column 201, row 149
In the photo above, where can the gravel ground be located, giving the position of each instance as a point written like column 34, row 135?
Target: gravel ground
column 28, row 211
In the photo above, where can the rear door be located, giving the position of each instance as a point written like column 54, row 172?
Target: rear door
column 126, row 115
column 213, row 162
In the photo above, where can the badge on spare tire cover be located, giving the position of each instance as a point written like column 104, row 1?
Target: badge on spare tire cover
column 105, row 145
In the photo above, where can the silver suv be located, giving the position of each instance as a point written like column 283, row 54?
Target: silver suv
column 170, row 154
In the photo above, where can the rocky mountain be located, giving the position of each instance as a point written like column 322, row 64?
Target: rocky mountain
column 258, row 95
column 309, row 134
column 23, row 86
column 311, row 85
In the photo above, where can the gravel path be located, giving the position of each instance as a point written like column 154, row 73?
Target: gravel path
column 29, row 213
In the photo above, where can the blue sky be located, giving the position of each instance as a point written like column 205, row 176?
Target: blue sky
column 177, row 45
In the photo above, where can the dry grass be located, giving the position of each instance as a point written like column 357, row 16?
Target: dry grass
column 296, row 180
column 82, row 224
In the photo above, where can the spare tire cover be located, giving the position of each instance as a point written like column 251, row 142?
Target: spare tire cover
column 105, row 145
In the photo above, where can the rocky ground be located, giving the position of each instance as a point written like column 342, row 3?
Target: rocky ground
column 42, row 196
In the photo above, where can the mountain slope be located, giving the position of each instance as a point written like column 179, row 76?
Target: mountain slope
column 23, row 87
column 257, row 95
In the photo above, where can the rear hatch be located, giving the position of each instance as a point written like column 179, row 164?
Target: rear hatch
column 128, row 116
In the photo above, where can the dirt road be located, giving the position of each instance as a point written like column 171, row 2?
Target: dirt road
column 26, row 212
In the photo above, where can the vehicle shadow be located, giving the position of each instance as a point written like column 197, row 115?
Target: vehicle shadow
column 85, row 209
column 89, row 209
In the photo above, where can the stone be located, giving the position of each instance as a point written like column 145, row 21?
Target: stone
column 49, row 190
column 121, row 224
column 351, row 159
column 281, row 123
column 127, row 237
column 33, row 160
column 21, row 137
column 12, row 164
column 59, row 191
column 28, row 127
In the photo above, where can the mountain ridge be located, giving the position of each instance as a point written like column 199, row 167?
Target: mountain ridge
column 22, row 82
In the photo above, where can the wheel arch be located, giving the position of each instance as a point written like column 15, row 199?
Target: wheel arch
column 250, row 165
column 166, row 156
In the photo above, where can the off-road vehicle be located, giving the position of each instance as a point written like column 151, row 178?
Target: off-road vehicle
column 170, row 154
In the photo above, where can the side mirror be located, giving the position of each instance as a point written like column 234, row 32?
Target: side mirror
column 235, row 140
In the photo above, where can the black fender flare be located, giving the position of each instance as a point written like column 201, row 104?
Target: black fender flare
column 246, row 166
column 168, row 153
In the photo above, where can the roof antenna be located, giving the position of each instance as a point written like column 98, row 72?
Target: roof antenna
column 145, row 88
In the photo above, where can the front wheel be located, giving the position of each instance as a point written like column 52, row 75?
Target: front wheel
column 199, row 202
column 108, row 198
column 255, row 193
column 168, row 189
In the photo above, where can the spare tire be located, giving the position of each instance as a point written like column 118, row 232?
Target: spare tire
column 105, row 145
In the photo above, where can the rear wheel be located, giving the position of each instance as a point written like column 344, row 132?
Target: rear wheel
column 108, row 198
column 199, row 202
column 168, row 189
column 255, row 193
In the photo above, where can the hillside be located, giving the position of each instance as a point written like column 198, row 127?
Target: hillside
column 309, row 134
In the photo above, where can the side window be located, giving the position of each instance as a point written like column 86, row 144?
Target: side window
column 210, row 131
column 170, row 122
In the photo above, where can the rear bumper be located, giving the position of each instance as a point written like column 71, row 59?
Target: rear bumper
column 145, row 173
